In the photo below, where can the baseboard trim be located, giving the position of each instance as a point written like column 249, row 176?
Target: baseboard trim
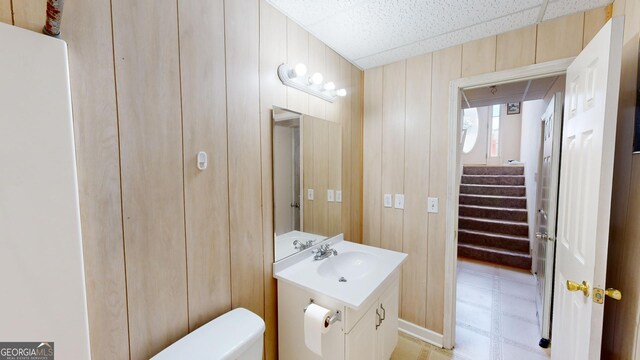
column 421, row 333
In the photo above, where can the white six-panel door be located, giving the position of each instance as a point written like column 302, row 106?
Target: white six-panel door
column 588, row 143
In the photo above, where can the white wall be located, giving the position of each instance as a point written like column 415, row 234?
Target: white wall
column 41, row 265
column 510, row 132
column 530, row 154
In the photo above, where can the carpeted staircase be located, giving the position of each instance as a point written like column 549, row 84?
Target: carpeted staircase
column 492, row 223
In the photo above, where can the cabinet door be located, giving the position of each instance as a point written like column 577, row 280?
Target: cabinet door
column 388, row 330
column 360, row 342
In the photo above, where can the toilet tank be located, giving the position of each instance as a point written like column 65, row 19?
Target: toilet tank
column 237, row 334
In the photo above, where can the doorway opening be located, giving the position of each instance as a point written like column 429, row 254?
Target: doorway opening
column 497, row 301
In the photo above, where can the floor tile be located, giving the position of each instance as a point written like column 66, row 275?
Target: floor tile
column 510, row 351
column 473, row 316
column 475, row 279
column 474, row 295
column 478, row 266
column 524, row 309
column 520, row 331
column 522, row 276
column 472, row 345
column 518, row 289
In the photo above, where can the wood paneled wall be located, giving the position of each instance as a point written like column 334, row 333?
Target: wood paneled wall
column 168, row 247
column 621, row 336
column 406, row 113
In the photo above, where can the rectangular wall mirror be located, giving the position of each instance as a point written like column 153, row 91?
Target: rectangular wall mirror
column 307, row 181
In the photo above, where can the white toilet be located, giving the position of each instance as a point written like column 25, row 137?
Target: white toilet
column 237, row 334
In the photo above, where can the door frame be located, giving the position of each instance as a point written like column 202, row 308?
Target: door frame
column 454, row 169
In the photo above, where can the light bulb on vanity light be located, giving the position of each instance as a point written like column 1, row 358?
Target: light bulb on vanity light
column 299, row 70
column 316, row 79
column 341, row 92
column 329, row 86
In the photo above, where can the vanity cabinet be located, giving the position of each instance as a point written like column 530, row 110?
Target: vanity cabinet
column 375, row 335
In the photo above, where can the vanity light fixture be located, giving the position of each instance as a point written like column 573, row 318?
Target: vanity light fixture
column 294, row 77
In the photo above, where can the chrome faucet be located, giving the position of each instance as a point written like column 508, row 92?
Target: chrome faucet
column 300, row 245
column 324, row 251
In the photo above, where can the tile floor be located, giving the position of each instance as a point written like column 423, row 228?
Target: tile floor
column 496, row 318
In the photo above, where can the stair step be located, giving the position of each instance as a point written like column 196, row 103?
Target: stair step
column 502, row 190
column 493, row 179
column 497, row 201
column 496, row 256
column 493, row 170
column 496, row 213
column 505, row 242
column 494, row 226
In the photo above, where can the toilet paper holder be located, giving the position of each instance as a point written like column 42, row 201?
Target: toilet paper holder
column 337, row 315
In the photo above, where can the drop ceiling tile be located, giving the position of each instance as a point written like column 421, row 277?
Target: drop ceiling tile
column 560, row 8
column 381, row 25
column 307, row 12
column 493, row 27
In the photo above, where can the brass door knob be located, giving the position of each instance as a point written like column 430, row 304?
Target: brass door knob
column 574, row 286
column 613, row 293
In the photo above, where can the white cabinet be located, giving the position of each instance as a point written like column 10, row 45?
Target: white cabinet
column 375, row 335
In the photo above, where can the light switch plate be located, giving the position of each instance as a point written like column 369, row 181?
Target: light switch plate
column 388, row 201
column 432, row 205
column 330, row 195
column 338, row 196
column 399, row 201
column 309, row 194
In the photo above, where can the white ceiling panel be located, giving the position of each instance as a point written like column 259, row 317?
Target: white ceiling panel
column 371, row 33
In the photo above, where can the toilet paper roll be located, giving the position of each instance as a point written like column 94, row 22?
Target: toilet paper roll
column 316, row 323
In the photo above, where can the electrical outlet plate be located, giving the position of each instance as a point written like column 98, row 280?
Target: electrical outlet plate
column 309, row 194
column 432, row 205
column 338, row 196
column 330, row 195
column 388, row 201
column 399, row 201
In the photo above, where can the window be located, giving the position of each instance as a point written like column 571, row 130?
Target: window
column 494, row 143
column 470, row 129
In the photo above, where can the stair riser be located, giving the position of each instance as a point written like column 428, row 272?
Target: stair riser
column 494, row 191
column 493, row 170
column 493, row 201
column 496, row 258
column 493, row 180
column 494, row 241
column 484, row 213
column 496, row 228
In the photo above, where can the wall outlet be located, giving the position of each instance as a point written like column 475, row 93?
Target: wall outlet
column 330, row 196
column 309, row 194
column 338, row 196
column 432, row 205
column 388, row 202
column 399, row 201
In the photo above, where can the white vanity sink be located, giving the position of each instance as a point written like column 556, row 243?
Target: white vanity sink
column 350, row 265
column 351, row 277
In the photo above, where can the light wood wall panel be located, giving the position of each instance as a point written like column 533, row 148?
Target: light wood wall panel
column 317, row 106
column 594, row 20
column 87, row 26
column 320, row 176
column 273, row 52
column 297, row 52
column 245, row 189
column 332, row 64
column 5, row 12
column 335, row 176
column 355, row 185
column 416, row 189
column 621, row 331
column 152, row 184
column 479, row 56
column 516, row 48
column 372, row 156
column 559, row 38
column 29, row 14
column 393, row 127
column 344, row 108
column 446, row 67
column 205, row 129
column 308, row 179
